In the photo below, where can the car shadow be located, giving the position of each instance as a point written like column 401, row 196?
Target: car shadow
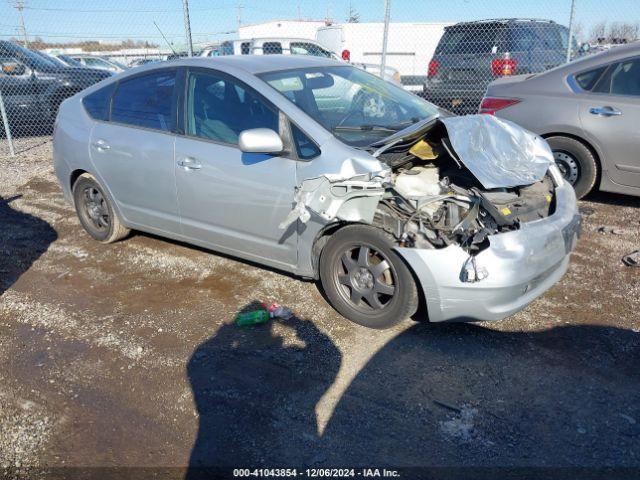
column 435, row 395
column 256, row 394
column 616, row 199
column 23, row 239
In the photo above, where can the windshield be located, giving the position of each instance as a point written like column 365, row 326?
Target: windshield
column 357, row 107
column 70, row 61
column 29, row 58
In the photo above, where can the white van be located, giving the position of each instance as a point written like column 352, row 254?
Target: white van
column 289, row 46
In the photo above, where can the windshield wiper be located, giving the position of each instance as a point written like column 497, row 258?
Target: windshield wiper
column 363, row 128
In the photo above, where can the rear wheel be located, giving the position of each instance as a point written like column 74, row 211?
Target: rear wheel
column 95, row 212
column 576, row 162
column 365, row 280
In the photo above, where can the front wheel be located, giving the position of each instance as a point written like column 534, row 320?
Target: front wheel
column 365, row 280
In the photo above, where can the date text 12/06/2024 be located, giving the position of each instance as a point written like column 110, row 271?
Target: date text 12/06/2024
column 316, row 473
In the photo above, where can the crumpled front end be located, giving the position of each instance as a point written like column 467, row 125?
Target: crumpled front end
column 517, row 267
column 475, row 205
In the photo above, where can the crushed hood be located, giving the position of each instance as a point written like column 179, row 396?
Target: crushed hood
column 499, row 153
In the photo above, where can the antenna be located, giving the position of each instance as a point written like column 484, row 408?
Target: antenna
column 19, row 6
column 165, row 38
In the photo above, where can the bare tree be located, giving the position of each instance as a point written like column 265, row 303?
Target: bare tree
column 598, row 32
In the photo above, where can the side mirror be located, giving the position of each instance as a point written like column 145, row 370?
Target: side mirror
column 260, row 140
column 13, row 68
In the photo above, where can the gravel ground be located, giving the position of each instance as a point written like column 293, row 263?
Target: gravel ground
column 126, row 355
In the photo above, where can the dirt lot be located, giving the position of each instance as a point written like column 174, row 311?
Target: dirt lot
column 126, row 355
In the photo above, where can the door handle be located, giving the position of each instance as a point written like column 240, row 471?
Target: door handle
column 189, row 163
column 101, row 145
column 605, row 111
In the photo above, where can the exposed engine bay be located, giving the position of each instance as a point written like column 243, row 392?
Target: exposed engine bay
column 432, row 196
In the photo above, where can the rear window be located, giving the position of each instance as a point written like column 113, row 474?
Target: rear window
column 470, row 39
column 97, row 103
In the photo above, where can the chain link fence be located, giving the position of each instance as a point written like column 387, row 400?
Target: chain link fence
column 447, row 53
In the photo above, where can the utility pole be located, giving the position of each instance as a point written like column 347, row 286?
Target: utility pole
column 571, row 20
column 187, row 26
column 19, row 5
column 385, row 37
column 239, row 15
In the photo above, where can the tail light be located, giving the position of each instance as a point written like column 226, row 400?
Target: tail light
column 502, row 67
column 491, row 105
column 434, row 66
column 346, row 55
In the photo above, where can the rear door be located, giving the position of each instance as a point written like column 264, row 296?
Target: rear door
column 610, row 113
column 230, row 200
column 134, row 151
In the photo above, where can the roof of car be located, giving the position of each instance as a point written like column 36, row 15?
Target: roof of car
column 613, row 54
column 258, row 63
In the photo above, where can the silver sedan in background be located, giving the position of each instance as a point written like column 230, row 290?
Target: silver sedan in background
column 589, row 112
column 319, row 168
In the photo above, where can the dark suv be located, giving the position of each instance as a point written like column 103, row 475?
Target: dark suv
column 33, row 86
column 472, row 54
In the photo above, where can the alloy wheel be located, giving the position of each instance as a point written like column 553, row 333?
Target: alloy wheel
column 96, row 208
column 365, row 278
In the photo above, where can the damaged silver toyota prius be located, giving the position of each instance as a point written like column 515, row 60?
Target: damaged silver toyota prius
column 326, row 171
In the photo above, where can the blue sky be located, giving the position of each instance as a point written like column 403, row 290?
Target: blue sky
column 218, row 19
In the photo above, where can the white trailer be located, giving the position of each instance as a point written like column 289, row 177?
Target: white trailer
column 409, row 49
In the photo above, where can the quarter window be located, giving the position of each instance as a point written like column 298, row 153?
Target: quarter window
column 304, row 145
column 146, row 101
column 587, row 80
column 219, row 109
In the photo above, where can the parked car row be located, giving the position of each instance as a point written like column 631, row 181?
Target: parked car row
column 33, row 85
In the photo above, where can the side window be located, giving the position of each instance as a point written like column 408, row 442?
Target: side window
column 146, row 101
column 271, row 48
column 219, row 108
column 304, row 145
column 97, row 103
column 300, row 48
column 587, row 80
column 625, row 78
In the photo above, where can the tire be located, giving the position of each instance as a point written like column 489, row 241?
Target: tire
column 360, row 290
column 95, row 211
column 576, row 162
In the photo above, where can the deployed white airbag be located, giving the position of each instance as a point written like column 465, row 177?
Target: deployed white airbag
column 498, row 153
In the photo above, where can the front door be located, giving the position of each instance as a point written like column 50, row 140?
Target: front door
column 230, row 200
column 134, row 151
column 611, row 113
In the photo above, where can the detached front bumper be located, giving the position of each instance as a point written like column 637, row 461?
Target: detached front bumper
column 521, row 266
